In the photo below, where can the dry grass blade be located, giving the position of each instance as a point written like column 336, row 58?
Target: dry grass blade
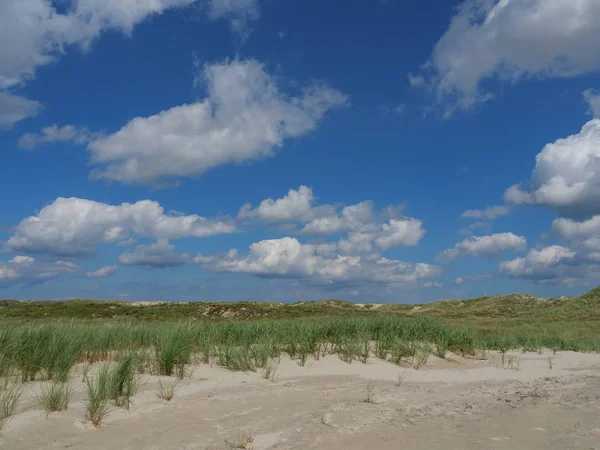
column 370, row 398
column 167, row 392
column 243, row 440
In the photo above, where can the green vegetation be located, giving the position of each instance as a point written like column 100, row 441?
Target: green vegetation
column 46, row 341
column 98, row 393
column 55, row 397
column 10, row 394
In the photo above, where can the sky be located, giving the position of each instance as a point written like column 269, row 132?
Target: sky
column 388, row 151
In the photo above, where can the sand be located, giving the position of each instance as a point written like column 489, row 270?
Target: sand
column 458, row 404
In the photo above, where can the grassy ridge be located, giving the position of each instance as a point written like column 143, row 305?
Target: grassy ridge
column 505, row 306
column 514, row 311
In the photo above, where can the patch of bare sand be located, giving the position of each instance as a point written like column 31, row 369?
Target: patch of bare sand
column 457, row 404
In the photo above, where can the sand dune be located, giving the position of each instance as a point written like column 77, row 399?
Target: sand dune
column 457, row 404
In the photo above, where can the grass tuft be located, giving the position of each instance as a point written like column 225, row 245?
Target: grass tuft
column 98, row 392
column 10, row 395
column 167, row 391
column 55, row 397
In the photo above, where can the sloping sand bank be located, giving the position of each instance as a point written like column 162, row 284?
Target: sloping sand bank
column 540, row 403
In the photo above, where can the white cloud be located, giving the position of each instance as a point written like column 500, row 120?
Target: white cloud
column 400, row 233
column 416, row 80
column 386, row 229
column 566, row 175
column 487, row 246
column 511, row 40
column 571, row 229
column 431, row 284
column 103, row 272
column 54, row 133
column 592, row 97
column 295, row 206
column 245, row 117
column 14, row 108
column 468, row 278
column 238, row 12
column 351, row 218
column 74, row 226
column 491, row 213
column 159, row 254
column 288, row 258
column 34, row 33
column 24, row 269
column 546, row 266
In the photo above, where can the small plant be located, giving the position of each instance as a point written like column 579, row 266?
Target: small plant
column 123, row 381
column 271, row 370
column 242, row 440
column 10, row 395
column 400, row 351
column 513, row 363
column 370, row 391
column 167, row 392
column 441, row 346
column 420, row 355
column 365, row 350
column 401, row 377
column 55, row 397
column 98, row 397
column 212, row 393
column 85, row 370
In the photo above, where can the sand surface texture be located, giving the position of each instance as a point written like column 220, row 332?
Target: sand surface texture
column 456, row 404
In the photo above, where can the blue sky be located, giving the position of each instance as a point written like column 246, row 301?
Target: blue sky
column 395, row 150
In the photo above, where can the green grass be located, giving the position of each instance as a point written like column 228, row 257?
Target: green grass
column 10, row 395
column 49, row 349
column 43, row 341
column 55, row 397
column 98, row 393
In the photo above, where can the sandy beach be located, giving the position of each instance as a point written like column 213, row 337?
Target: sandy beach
column 544, row 401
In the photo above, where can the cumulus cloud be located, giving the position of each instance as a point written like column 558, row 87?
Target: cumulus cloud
column 75, row 226
column 511, row 40
column 566, row 175
column 592, row 97
column 288, row 258
column 54, row 133
column 487, row 246
column 103, row 272
column 553, row 264
column 571, row 229
column 34, row 33
column 365, row 227
column 159, row 254
column 244, row 117
column 24, row 269
column 491, row 213
column 14, row 108
column 350, row 218
column 295, row 206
